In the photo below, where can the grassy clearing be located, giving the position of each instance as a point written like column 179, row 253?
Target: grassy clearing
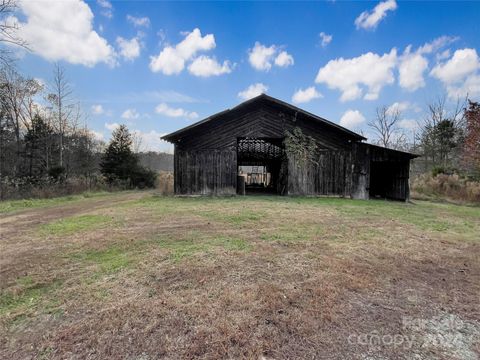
column 10, row 206
column 75, row 224
column 237, row 277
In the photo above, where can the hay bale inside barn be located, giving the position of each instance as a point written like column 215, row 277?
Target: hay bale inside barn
column 265, row 145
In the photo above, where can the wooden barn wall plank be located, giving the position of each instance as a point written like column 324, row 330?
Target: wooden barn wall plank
column 205, row 172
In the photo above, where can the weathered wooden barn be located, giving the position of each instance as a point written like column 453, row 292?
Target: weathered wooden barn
column 246, row 145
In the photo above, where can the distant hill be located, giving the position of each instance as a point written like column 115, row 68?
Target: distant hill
column 156, row 161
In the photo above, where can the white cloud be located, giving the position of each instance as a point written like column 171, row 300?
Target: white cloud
column 370, row 19
column 408, row 124
column 399, row 106
column 284, row 59
column 129, row 49
column 437, row 44
column 171, row 60
column 166, row 110
column 99, row 136
column 111, row 126
column 150, row 141
column 138, row 21
column 107, row 8
column 304, row 96
column 470, row 87
column 130, row 114
column 98, row 109
column 325, row 39
column 462, row 63
column 205, row 66
column 62, row 30
column 413, row 64
column 261, row 57
column 443, row 55
column 460, row 74
column 352, row 119
column 351, row 76
column 252, row 91
column 411, row 69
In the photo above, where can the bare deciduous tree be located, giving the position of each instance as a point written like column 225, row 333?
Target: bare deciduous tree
column 60, row 97
column 385, row 127
column 8, row 30
column 440, row 128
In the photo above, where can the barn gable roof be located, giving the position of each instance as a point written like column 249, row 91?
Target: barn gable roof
column 173, row 137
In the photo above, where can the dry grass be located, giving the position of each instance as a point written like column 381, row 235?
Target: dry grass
column 443, row 186
column 140, row 276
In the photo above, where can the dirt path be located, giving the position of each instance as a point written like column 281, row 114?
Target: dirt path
column 15, row 224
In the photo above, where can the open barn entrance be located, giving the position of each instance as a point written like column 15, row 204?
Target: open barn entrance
column 261, row 166
column 389, row 180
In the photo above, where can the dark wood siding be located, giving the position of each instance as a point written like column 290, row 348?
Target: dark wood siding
column 205, row 172
column 329, row 175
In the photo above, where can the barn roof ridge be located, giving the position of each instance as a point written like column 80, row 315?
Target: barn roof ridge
column 171, row 137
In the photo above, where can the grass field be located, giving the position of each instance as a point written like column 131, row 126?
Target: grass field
column 138, row 276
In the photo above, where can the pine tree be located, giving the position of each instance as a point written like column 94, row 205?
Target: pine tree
column 119, row 162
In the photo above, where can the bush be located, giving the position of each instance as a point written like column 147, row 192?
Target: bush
column 143, row 178
column 48, row 187
column 452, row 187
column 165, row 182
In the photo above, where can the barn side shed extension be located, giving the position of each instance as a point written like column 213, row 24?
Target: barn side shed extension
column 248, row 141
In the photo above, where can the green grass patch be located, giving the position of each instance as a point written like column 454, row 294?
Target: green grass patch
column 74, row 224
column 28, row 296
column 108, row 260
column 10, row 206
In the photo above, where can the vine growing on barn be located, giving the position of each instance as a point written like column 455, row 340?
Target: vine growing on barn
column 300, row 146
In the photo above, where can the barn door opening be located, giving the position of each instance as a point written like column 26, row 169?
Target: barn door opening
column 261, row 164
column 388, row 180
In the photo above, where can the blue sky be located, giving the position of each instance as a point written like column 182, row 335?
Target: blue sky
column 159, row 66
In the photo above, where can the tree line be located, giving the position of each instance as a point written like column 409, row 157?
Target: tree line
column 447, row 137
column 45, row 143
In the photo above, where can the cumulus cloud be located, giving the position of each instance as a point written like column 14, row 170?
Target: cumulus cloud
column 252, row 91
column 413, row 64
column 284, row 59
column 398, row 106
column 111, row 126
column 205, row 66
column 262, row 57
column 462, row 63
column 411, row 69
column 352, row 119
column 130, row 114
column 370, row 72
column 139, row 21
column 370, row 19
column 172, row 59
column 460, row 74
column 325, row 39
column 129, row 49
column 63, row 30
column 165, row 109
column 97, row 109
column 304, row 96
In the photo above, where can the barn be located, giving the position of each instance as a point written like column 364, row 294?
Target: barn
column 265, row 145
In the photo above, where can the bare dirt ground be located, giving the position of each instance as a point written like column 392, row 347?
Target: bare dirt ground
column 139, row 276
